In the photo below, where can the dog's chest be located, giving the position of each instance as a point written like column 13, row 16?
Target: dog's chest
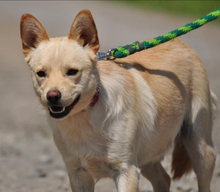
column 77, row 138
column 90, row 149
column 86, row 146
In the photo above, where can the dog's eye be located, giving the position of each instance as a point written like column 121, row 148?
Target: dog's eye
column 72, row 72
column 41, row 74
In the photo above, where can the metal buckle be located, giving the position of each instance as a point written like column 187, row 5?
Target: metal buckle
column 102, row 55
column 107, row 55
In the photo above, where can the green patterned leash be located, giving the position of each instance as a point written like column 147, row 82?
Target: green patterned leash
column 124, row 51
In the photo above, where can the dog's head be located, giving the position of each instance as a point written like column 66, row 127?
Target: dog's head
column 63, row 69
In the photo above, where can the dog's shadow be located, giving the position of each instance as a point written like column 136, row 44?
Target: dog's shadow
column 165, row 73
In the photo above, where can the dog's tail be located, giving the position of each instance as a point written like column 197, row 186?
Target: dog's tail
column 181, row 163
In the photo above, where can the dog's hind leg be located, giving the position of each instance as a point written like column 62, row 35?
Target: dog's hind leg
column 158, row 177
column 197, row 143
column 202, row 155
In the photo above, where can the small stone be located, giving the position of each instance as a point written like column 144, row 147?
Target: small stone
column 17, row 150
column 191, row 176
column 179, row 186
column 183, row 187
column 45, row 159
column 41, row 172
column 147, row 188
column 60, row 174
column 66, row 189
column 187, row 188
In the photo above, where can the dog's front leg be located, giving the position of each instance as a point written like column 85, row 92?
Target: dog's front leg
column 80, row 179
column 128, row 180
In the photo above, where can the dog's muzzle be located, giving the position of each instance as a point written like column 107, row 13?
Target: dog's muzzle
column 57, row 111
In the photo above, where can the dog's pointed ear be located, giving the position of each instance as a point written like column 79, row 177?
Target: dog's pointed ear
column 84, row 31
column 32, row 33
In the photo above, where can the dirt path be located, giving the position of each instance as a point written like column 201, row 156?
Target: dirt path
column 29, row 160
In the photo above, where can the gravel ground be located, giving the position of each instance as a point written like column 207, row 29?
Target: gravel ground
column 29, row 160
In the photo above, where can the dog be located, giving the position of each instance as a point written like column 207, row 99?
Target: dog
column 118, row 118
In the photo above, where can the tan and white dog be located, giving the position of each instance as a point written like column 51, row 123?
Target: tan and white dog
column 119, row 118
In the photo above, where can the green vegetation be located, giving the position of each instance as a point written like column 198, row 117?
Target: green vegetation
column 181, row 7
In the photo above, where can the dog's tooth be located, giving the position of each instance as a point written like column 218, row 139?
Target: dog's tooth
column 63, row 109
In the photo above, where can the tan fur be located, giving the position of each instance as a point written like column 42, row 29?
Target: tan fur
column 146, row 102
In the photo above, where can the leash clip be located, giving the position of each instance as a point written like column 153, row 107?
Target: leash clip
column 107, row 55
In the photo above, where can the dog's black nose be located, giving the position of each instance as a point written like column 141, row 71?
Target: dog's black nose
column 53, row 96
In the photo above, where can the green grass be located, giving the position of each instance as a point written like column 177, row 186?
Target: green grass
column 181, row 8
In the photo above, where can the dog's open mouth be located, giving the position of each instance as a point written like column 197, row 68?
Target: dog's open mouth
column 60, row 112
